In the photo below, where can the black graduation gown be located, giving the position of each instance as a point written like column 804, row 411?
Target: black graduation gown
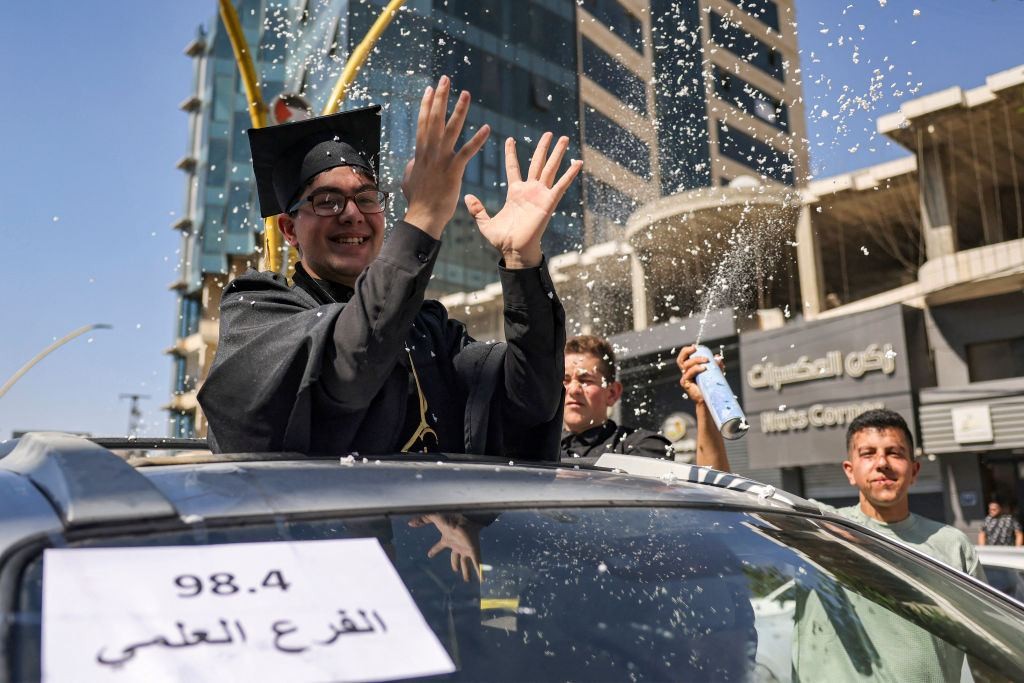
column 297, row 371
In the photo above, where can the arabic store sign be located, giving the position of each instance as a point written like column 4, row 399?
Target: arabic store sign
column 312, row 610
column 856, row 364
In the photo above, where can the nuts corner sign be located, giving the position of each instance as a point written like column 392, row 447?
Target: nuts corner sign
column 803, row 384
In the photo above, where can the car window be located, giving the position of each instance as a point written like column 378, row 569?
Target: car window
column 1006, row 579
column 648, row 594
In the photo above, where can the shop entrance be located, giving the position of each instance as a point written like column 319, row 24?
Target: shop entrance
column 1002, row 478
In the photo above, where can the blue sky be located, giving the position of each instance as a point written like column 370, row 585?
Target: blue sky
column 92, row 131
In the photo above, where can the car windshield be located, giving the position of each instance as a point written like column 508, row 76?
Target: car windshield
column 647, row 594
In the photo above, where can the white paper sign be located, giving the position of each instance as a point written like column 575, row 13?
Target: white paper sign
column 971, row 424
column 331, row 610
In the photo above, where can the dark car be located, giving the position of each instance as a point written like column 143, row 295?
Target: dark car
column 287, row 567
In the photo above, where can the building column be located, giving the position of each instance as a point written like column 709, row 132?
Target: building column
column 638, row 289
column 939, row 235
column 808, row 261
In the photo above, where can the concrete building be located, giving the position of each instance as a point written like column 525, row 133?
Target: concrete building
column 909, row 294
column 689, row 108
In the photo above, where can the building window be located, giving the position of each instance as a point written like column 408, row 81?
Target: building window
column 996, row 360
column 614, row 76
column 618, row 20
column 183, row 425
column 180, row 374
column 738, row 92
column 617, row 143
column 188, row 316
column 754, row 154
column 609, row 205
column 540, row 89
column 765, row 11
column 748, row 48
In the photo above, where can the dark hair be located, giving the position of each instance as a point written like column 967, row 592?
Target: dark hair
column 596, row 347
column 879, row 419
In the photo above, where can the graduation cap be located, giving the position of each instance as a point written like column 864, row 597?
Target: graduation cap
column 287, row 156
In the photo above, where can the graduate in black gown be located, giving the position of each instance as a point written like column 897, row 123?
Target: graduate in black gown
column 351, row 358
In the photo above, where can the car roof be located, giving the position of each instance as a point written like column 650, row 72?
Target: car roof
column 1001, row 556
column 53, row 482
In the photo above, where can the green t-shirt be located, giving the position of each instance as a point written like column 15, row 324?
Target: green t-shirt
column 903, row 651
column 935, row 539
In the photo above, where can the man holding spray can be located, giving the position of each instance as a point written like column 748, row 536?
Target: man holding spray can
column 694, row 360
column 591, row 390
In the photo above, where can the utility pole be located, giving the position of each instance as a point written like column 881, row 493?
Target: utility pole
column 134, row 414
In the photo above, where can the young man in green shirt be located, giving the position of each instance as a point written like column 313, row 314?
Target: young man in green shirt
column 880, row 463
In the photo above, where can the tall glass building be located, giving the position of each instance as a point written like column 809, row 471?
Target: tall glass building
column 682, row 94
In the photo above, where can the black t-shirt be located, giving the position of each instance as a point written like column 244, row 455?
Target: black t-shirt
column 587, row 446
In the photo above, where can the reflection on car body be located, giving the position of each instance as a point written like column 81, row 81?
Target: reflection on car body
column 1004, row 568
column 587, row 574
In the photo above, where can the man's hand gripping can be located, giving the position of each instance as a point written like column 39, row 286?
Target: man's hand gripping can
column 718, row 396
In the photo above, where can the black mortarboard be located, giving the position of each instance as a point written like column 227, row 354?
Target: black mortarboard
column 287, row 156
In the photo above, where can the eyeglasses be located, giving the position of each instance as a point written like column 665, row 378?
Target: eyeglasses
column 423, row 430
column 332, row 202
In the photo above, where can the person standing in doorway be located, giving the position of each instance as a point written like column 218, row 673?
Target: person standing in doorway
column 1000, row 527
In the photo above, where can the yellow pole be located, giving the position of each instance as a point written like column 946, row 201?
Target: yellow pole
column 257, row 113
column 257, row 110
column 358, row 57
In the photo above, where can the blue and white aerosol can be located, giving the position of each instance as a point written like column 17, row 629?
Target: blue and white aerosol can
column 718, row 397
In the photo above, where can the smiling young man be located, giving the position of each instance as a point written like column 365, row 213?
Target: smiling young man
column 881, row 464
column 351, row 357
column 591, row 390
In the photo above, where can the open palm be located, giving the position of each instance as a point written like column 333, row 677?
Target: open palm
column 516, row 229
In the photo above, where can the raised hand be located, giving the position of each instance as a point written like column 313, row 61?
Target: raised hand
column 690, row 366
column 458, row 534
column 517, row 229
column 433, row 181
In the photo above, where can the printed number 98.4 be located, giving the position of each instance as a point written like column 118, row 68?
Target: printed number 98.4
column 224, row 583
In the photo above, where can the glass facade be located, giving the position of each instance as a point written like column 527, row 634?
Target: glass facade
column 617, row 143
column 613, row 76
column 765, row 11
column 520, row 65
column 757, row 155
column 183, row 424
column 736, row 91
column 618, row 20
column 684, row 154
column 609, row 208
column 732, row 37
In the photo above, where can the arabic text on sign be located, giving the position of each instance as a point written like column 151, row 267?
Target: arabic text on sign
column 856, row 364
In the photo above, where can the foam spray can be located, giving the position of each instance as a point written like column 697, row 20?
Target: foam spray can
column 718, row 397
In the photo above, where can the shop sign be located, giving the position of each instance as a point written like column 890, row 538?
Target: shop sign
column 833, row 364
column 818, row 415
column 805, row 383
column 971, row 424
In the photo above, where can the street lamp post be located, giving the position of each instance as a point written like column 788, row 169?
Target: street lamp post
column 47, row 351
